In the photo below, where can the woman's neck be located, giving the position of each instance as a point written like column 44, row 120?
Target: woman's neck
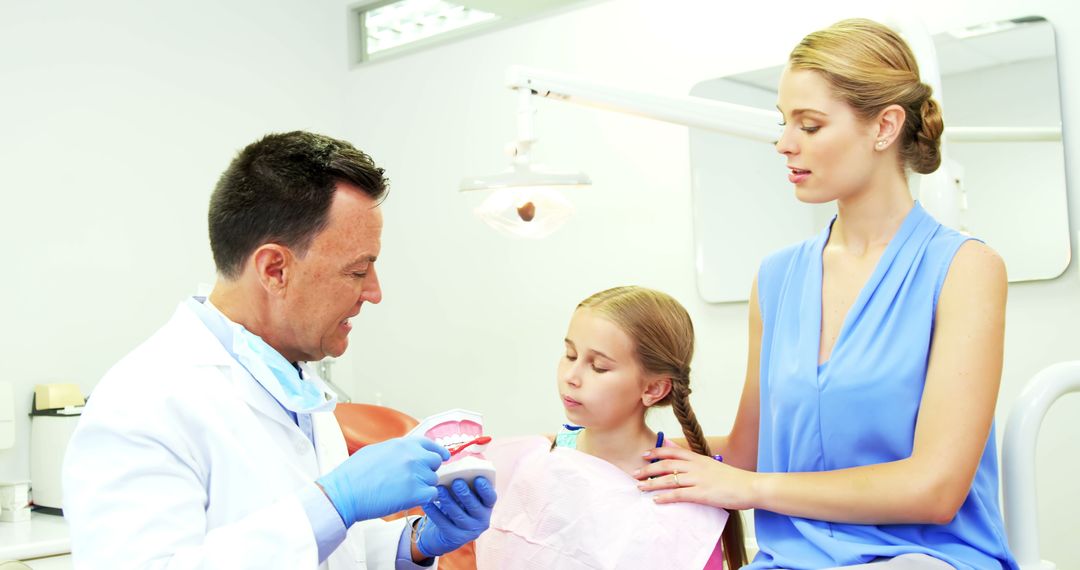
column 870, row 219
column 620, row 445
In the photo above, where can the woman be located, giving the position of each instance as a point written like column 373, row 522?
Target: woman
column 865, row 430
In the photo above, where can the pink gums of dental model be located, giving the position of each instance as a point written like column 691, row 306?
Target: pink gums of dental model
column 482, row 440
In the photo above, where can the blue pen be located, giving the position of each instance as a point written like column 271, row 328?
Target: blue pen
column 659, row 443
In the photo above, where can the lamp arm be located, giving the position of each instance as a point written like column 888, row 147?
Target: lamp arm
column 728, row 118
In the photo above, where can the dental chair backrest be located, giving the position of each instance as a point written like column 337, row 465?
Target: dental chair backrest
column 1018, row 459
column 365, row 424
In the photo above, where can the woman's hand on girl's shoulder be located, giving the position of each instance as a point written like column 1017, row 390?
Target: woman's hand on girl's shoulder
column 689, row 477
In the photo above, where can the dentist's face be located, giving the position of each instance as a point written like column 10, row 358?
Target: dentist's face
column 335, row 277
column 829, row 150
column 600, row 380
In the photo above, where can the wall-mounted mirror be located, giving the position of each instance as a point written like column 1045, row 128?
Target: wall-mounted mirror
column 1002, row 74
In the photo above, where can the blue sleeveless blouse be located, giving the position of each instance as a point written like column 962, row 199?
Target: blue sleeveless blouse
column 860, row 406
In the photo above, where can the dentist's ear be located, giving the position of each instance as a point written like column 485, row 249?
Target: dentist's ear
column 270, row 262
column 656, row 389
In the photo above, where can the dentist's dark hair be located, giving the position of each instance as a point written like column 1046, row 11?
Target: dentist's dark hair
column 279, row 189
column 663, row 337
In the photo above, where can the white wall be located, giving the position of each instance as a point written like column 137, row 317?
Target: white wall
column 116, row 117
column 473, row 319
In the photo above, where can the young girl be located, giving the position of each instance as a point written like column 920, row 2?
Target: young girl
column 865, row 430
column 573, row 503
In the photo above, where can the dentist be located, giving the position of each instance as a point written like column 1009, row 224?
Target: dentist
column 212, row 444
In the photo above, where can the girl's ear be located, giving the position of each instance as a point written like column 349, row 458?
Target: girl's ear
column 656, row 389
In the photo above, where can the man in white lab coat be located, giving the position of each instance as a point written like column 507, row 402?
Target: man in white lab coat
column 212, row 445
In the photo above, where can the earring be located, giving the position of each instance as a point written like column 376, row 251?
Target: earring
column 881, row 143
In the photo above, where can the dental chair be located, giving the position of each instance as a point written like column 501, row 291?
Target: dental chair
column 365, row 424
column 1018, row 459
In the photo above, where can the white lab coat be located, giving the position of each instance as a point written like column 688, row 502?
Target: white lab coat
column 182, row 460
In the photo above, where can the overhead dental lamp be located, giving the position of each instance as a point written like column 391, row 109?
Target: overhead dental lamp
column 527, row 201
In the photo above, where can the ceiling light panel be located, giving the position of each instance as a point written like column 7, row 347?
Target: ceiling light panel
column 407, row 21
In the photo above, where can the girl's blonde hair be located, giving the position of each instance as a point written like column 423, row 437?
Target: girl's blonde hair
column 870, row 67
column 663, row 337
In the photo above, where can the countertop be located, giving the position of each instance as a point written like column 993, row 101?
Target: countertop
column 43, row 535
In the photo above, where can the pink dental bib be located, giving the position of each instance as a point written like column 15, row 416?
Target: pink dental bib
column 568, row 510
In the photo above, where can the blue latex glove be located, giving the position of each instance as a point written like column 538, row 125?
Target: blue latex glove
column 453, row 521
column 384, row 478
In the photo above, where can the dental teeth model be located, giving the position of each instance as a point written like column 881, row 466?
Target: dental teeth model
column 462, row 433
